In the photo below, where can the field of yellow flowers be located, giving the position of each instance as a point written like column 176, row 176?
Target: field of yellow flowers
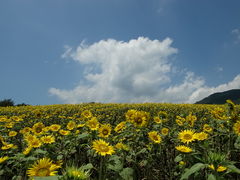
column 120, row 141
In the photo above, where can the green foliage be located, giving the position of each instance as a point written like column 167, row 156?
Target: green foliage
column 6, row 103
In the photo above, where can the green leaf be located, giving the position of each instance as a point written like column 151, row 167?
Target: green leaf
column 178, row 158
column 31, row 158
column 83, row 135
column 59, row 157
column 211, row 177
column 233, row 168
column 127, row 174
column 142, row 151
column 237, row 143
column 1, row 172
column 40, row 151
column 196, row 167
column 87, row 166
column 116, row 164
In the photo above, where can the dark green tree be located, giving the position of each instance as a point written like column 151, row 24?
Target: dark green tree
column 6, row 102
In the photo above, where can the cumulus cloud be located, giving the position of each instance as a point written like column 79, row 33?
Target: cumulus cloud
column 140, row 70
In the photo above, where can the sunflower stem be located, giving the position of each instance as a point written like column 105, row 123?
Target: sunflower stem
column 101, row 173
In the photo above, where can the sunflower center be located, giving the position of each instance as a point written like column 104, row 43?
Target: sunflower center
column 188, row 136
column 92, row 125
column 38, row 129
column 138, row 120
column 43, row 172
column 155, row 138
column 105, row 132
column 103, row 148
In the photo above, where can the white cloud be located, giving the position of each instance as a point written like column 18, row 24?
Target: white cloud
column 236, row 32
column 140, row 70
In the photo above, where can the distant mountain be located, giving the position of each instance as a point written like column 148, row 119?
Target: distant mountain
column 221, row 97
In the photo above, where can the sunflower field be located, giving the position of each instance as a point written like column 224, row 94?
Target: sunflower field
column 120, row 142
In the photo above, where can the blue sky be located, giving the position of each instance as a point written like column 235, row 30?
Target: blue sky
column 71, row 51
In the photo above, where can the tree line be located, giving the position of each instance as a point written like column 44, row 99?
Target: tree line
column 10, row 102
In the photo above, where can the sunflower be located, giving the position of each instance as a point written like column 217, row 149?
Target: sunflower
column 38, row 128
column 154, row 136
column 163, row 116
column 71, row 125
column 201, row 136
column 27, row 150
column 25, row 130
column 8, row 146
column 105, row 130
column 103, row 148
column 64, row 132
column 191, row 119
column 93, row 124
column 129, row 114
column 207, row 128
column 55, row 127
column 48, row 139
column 218, row 169
column 186, row 136
column 12, row 133
column 29, row 137
column 140, row 118
column 120, row 127
column 4, row 158
column 157, row 120
column 43, row 167
column 86, row 114
column 221, row 168
column 164, row 131
column 76, row 173
column 184, row 149
column 122, row 146
column 236, row 128
column 35, row 143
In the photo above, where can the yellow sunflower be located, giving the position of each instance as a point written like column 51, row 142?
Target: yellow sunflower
column 12, row 133
column 105, row 130
column 25, row 130
column 129, row 114
column 27, row 150
column 157, row 120
column 140, row 118
column 35, row 143
column 155, row 137
column 71, row 125
column 38, row 128
column 207, row 128
column 236, row 128
column 120, row 127
column 86, row 114
column 43, row 167
column 164, row 131
column 186, row 136
column 218, row 169
column 163, row 116
column 201, row 136
column 4, row 158
column 184, row 149
column 48, row 139
column 93, row 124
column 221, row 168
column 64, row 132
column 122, row 146
column 55, row 127
column 103, row 148
column 8, row 146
